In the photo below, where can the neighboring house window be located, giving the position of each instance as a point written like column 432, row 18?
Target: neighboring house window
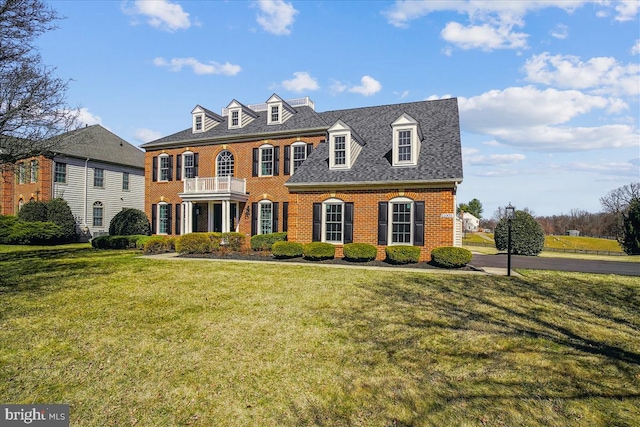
column 198, row 123
column 224, row 164
column 60, row 173
column 34, row 171
column 235, row 118
column 275, row 114
column 22, row 173
column 98, row 178
column 333, row 221
column 98, row 214
column 265, row 219
column 404, row 146
column 339, row 150
column 163, row 218
column 266, row 160
column 165, row 164
column 20, row 204
column 125, row 181
column 299, row 154
column 401, row 222
column 188, row 159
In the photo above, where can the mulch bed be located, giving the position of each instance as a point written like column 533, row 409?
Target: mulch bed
column 267, row 257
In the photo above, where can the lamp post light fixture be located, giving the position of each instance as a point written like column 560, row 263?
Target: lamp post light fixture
column 510, row 212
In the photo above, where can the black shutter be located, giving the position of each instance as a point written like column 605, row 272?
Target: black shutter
column 274, row 217
column 317, row 222
column 254, row 219
column 256, row 161
column 178, row 167
column 154, row 173
column 287, row 160
column 418, row 224
column 309, row 149
column 383, row 220
column 276, row 161
column 169, row 219
column 348, row 223
column 178, row 212
column 285, row 216
column 170, row 169
column 154, row 210
column 195, row 164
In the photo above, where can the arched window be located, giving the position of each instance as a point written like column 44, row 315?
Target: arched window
column 98, row 214
column 224, row 164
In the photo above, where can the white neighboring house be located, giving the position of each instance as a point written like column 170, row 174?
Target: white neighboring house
column 470, row 223
column 98, row 174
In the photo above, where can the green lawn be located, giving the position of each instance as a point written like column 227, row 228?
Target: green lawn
column 130, row 341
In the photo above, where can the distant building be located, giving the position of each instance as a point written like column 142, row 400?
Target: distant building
column 470, row 223
column 573, row 233
column 94, row 170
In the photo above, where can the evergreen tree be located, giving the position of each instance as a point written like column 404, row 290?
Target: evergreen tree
column 527, row 237
column 630, row 241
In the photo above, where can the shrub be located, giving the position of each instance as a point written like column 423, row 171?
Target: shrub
column 158, row 245
column 403, row 254
column 263, row 242
column 33, row 211
column 360, row 252
column 129, row 222
column 287, row 250
column 630, row 241
column 527, row 237
column 318, row 251
column 6, row 223
column 59, row 212
column 115, row 242
column 451, row 257
column 216, row 240
column 34, row 233
column 194, row 243
column 234, row 241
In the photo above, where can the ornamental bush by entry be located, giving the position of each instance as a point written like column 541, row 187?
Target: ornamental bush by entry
column 360, row 252
column 318, row 251
column 527, row 237
column 193, row 243
column 403, row 254
column 451, row 257
column 286, row 250
column 129, row 222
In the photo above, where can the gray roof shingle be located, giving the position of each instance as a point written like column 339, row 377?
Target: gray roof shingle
column 97, row 143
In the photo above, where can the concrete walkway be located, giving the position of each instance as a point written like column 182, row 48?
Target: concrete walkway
column 489, row 271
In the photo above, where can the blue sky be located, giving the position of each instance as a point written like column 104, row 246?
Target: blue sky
column 548, row 91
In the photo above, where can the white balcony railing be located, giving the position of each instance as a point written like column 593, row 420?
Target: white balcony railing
column 217, row 184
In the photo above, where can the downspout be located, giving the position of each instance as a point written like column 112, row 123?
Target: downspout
column 86, row 172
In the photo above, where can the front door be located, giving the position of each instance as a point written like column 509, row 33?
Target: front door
column 217, row 217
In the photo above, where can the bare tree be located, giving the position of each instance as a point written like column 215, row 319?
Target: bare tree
column 33, row 107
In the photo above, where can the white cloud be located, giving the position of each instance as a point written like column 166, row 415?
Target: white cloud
column 601, row 168
column 536, row 120
column 627, row 10
column 470, row 157
column 146, row 135
column 561, row 32
column 212, row 67
column 368, row 87
column 602, row 75
column 87, row 118
column 635, row 49
column 277, row 16
column 485, row 37
column 301, row 82
column 160, row 14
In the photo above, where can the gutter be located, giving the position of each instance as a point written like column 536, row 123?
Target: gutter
column 86, row 172
column 375, row 184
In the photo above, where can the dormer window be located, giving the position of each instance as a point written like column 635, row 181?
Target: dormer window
column 203, row 120
column 278, row 110
column 275, row 114
column 406, row 141
column 197, row 125
column 235, row 119
column 344, row 146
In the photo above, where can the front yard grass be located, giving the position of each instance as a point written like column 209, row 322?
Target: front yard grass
column 129, row 341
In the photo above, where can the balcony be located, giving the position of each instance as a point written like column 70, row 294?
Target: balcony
column 215, row 188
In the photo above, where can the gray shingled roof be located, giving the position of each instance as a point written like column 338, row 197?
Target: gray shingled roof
column 440, row 156
column 97, row 143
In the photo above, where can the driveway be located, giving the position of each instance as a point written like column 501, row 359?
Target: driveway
column 560, row 264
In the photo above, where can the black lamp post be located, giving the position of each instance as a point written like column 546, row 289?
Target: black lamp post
column 511, row 213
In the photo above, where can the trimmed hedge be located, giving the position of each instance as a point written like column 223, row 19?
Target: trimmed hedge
column 129, row 222
column 6, row 224
column 194, row 243
column 263, row 242
column 403, row 254
column 34, row 233
column 287, row 250
column 158, row 244
column 231, row 241
column 360, row 252
column 317, row 251
column 451, row 257
column 117, row 242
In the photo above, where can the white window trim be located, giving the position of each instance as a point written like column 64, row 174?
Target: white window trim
column 100, row 205
column 183, row 164
column 332, row 201
column 399, row 200
column 260, row 204
column 406, row 123
column 94, row 178
column 273, row 152
column 55, row 166
column 160, row 157
column 128, row 181
column 235, row 110
column 195, row 116
column 293, row 150
column 347, row 149
column 269, row 118
column 158, row 219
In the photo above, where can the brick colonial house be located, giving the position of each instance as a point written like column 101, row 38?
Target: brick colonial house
column 384, row 175
column 94, row 170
